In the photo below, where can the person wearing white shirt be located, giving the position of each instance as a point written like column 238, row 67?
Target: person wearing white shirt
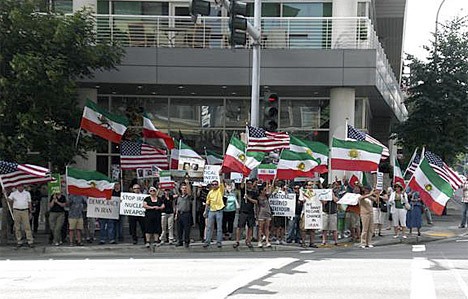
column 21, row 200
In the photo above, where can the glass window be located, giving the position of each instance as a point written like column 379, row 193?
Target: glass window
column 62, row 6
column 187, row 114
column 358, row 110
column 199, row 139
column 103, row 7
column 268, row 9
column 155, row 8
column 102, row 164
column 320, row 136
column 157, row 110
column 237, row 112
column 126, row 8
column 302, row 114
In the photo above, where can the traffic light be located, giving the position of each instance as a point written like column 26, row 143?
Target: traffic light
column 271, row 111
column 200, row 7
column 238, row 23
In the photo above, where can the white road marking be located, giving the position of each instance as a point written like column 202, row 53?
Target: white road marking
column 461, row 240
column 460, row 281
column 245, row 277
column 419, row 248
column 307, row 251
column 422, row 282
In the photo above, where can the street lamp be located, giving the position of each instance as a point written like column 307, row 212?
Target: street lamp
column 436, row 26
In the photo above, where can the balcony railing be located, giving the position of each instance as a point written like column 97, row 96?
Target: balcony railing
column 277, row 33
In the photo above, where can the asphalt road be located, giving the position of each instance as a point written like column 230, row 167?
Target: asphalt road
column 435, row 270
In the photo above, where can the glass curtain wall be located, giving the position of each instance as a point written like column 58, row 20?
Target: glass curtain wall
column 207, row 122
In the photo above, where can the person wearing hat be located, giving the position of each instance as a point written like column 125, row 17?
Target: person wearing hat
column 133, row 220
column 398, row 203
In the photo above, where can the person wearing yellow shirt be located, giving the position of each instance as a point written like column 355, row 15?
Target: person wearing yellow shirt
column 214, row 211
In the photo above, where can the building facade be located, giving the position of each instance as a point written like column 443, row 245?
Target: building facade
column 329, row 62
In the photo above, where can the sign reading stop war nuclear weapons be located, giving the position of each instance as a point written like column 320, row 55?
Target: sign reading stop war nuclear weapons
column 131, row 204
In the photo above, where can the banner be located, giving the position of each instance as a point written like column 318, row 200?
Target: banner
column 211, row 174
column 236, row 177
column 349, row 199
column 313, row 214
column 103, row 208
column 165, row 180
column 283, row 204
column 323, row 194
column 191, row 164
column 131, row 204
column 143, row 173
column 55, row 185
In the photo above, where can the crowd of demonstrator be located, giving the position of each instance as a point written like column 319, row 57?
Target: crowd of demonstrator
column 224, row 211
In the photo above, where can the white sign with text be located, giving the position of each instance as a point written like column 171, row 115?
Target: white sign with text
column 211, row 173
column 349, row 199
column 103, row 208
column 313, row 214
column 131, row 204
column 323, row 194
column 283, row 204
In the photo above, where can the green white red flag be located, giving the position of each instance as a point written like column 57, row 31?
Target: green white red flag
column 295, row 164
column 182, row 150
column 433, row 190
column 266, row 172
column 355, row 155
column 103, row 123
column 150, row 132
column 398, row 175
column 237, row 159
column 88, row 183
column 317, row 150
column 213, row 158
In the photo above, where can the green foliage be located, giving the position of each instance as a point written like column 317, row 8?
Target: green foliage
column 41, row 57
column 438, row 96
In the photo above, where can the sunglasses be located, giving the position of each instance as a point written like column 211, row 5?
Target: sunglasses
column 152, row 191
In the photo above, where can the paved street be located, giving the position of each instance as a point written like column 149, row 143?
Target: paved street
column 436, row 270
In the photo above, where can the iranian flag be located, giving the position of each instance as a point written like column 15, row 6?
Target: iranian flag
column 266, row 172
column 213, row 158
column 102, row 123
column 398, row 175
column 237, row 160
column 182, row 150
column 150, row 132
column 317, row 150
column 355, row 155
column 434, row 191
column 295, row 164
column 88, row 183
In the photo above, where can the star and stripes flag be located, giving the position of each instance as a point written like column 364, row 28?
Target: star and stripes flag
column 443, row 170
column 361, row 136
column 413, row 163
column 135, row 155
column 260, row 140
column 14, row 174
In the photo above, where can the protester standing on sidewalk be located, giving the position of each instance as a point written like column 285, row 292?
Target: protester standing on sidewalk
column 229, row 212
column 414, row 215
column 329, row 216
column 36, row 208
column 134, row 220
column 214, row 211
column 367, row 218
column 398, row 202
column 464, row 200
column 294, row 232
column 118, row 224
column 264, row 217
column 153, row 206
column 183, row 214
column 167, row 217
column 246, row 213
column 57, row 205
column 76, row 205
column 306, row 195
column 21, row 200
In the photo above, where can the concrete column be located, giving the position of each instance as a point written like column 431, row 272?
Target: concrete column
column 90, row 162
column 342, row 104
column 80, row 4
column 344, row 30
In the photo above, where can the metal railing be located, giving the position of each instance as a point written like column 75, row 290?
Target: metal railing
column 277, row 33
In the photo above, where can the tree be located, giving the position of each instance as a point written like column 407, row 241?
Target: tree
column 41, row 58
column 438, row 96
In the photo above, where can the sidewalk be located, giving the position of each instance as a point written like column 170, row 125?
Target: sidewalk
column 443, row 227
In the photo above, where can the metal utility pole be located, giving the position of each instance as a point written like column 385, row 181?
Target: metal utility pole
column 255, row 96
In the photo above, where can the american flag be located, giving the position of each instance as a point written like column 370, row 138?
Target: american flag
column 14, row 174
column 260, row 140
column 135, row 155
column 361, row 136
column 443, row 170
column 413, row 164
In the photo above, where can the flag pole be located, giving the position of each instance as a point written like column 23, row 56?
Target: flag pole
column 6, row 198
column 420, row 161
column 77, row 138
column 411, row 161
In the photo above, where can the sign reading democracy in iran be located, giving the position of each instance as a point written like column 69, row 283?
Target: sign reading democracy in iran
column 283, row 204
column 103, row 208
column 313, row 214
column 131, row 204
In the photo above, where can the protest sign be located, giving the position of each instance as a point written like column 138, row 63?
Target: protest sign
column 236, row 177
column 349, row 199
column 103, row 208
column 313, row 214
column 323, row 194
column 379, row 184
column 211, row 173
column 283, row 204
column 131, row 204
column 55, row 185
column 165, row 180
